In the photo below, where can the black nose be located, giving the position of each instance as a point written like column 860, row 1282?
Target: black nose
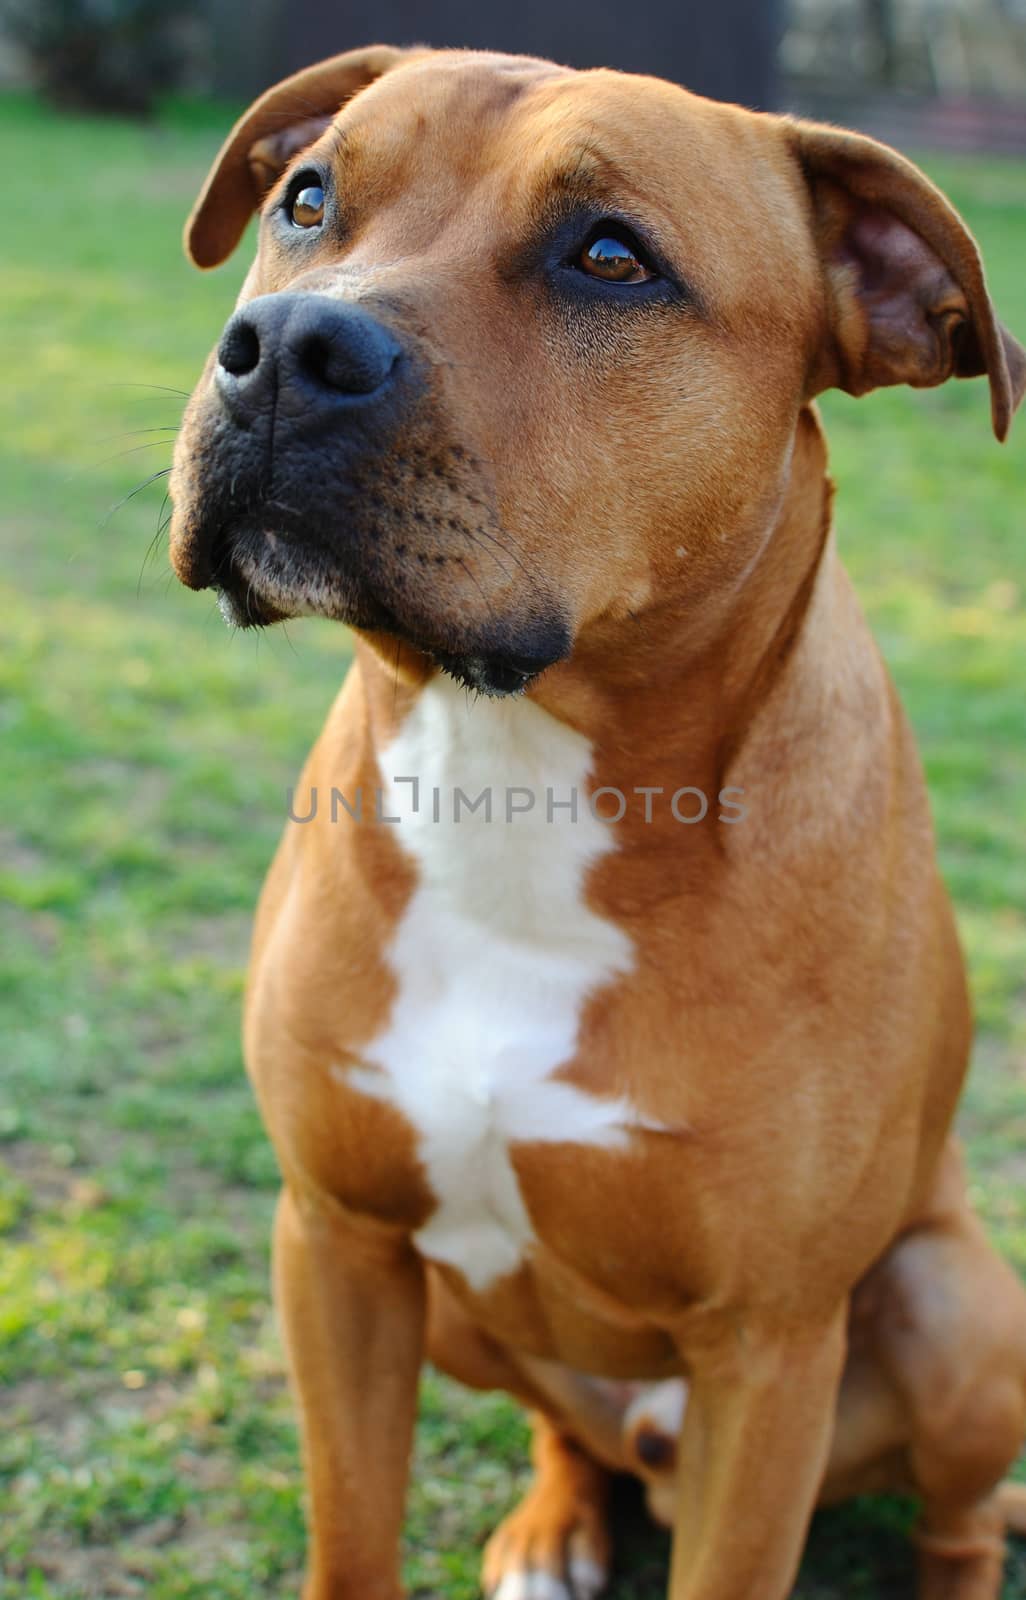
column 300, row 351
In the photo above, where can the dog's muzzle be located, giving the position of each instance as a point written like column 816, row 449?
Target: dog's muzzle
column 301, row 418
column 319, row 474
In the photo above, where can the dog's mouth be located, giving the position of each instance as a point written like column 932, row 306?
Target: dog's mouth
column 262, row 577
column 367, row 508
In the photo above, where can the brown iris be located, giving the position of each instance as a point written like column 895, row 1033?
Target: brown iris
column 308, row 207
column 614, row 261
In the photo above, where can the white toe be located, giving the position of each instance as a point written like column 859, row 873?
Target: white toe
column 546, row 1586
column 512, row 1587
column 537, row 1585
column 587, row 1578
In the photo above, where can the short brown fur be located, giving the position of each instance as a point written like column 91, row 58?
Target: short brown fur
column 797, row 1239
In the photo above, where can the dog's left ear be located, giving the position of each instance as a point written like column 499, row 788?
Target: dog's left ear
column 906, row 294
column 284, row 121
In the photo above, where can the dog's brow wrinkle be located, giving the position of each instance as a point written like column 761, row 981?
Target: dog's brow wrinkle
column 341, row 142
column 587, row 175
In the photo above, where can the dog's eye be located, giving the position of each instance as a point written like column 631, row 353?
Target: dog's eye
column 308, row 206
column 615, row 258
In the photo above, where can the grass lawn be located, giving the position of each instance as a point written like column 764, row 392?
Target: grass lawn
column 147, row 1444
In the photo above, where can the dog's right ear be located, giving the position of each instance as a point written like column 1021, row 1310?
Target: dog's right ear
column 276, row 127
column 907, row 301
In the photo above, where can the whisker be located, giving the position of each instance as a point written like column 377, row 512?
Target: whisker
column 249, row 599
column 162, row 525
column 163, row 473
column 474, row 581
column 133, row 450
column 485, row 551
column 130, row 433
column 279, row 505
column 160, row 388
column 506, row 550
column 483, row 533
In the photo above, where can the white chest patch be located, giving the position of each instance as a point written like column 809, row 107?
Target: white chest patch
column 495, row 955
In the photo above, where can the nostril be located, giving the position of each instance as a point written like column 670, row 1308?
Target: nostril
column 315, row 358
column 351, row 358
column 239, row 350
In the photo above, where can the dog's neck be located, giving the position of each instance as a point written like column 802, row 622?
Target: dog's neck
column 679, row 709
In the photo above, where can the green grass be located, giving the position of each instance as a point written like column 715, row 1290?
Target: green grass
column 147, row 1444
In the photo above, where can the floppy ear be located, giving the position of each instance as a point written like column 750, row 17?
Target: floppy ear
column 906, row 295
column 276, row 127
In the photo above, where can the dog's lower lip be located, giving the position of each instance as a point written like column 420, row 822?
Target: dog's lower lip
column 482, row 674
column 250, row 597
column 489, row 675
column 251, row 612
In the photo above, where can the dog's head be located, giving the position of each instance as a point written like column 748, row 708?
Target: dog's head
column 523, row 349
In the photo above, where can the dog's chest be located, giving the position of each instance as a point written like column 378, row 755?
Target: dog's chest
column 494, row 957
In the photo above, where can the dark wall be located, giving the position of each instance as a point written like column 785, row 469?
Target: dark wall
column 724, row 48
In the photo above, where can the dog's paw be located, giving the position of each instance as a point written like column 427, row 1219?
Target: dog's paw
column 545, row 1551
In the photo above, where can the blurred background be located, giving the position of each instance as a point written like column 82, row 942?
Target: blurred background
column 147, row 1445
column 950, row 71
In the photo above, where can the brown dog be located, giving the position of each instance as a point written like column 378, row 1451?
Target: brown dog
column 610, row 1030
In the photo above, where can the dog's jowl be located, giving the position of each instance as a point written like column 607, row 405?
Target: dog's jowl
column 648, row 1124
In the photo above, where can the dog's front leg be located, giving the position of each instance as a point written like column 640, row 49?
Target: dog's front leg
column 759, row 1420
column 352, row 1310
